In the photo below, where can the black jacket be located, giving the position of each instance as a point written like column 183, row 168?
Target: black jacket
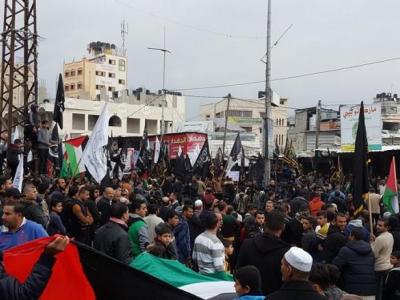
column 295, row 290
column 33, row 212
column 298, row 204
column 293, row 232
column 391, row 290
column 104, row 208
column 265, row 251
column 112, row 239
column 356, row 263
column 396, row 238
column 334, row 241
column 32, row 288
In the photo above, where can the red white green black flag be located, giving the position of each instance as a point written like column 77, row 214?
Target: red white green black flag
column 390, row 198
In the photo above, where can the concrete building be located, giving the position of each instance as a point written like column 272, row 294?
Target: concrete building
column 103, row 69
column 248, row 115
column 390, row 108
column 215, row 130
column 130, row 113
column 303, row 133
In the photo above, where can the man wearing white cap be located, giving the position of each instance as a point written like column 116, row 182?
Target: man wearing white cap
column 295, row 267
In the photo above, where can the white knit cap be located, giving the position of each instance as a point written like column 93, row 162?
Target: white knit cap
column 299, row 259
column 198, row 203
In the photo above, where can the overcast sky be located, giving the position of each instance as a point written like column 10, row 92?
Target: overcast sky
column 221, row 42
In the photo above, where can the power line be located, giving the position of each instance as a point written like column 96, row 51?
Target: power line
column 197, row 28
column 293, row 76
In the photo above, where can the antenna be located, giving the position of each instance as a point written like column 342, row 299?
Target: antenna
column 124, row 33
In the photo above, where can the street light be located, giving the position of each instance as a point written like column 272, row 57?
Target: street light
column 164, row 51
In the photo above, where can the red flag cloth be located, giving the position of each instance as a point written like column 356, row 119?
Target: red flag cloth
column 68, row 280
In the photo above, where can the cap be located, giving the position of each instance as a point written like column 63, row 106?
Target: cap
column 299, row 259
column 13, row 192
column 198, row 203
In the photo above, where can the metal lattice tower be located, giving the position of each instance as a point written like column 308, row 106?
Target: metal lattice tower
column 19, row 40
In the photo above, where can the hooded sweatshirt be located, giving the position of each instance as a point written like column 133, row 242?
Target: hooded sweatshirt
column 264, row 251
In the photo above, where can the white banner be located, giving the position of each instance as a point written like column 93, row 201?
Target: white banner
column 94, row 155
column 349, row 123
column 156, row 150
column 19, row 174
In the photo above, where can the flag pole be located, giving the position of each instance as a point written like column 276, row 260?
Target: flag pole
column 370, row 215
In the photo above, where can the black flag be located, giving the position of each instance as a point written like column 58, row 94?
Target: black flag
column 143, row 162
column 55, row 151
column 180, row 165
column 202, row 165
column 236, row 148
column 361, row 181
column 59, row 104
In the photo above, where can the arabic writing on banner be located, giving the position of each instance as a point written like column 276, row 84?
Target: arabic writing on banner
column 349, row 122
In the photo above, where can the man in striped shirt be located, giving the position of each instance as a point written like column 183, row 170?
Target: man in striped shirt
column 208, row 250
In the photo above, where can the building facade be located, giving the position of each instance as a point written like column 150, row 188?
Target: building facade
column 248, row 115
column 103, row 70
column 130, row 114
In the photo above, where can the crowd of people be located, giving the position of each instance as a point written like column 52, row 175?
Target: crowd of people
column 297, row 239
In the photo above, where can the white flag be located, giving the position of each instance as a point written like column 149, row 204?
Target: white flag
column 156, row 150
column 193, row 155
column 15, row 135
column 94, row 156
column 30, row 156
column 19, row 174
column 179, row 151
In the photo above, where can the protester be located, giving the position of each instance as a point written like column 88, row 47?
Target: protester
column 32, row 210
column 391, row 290
column 112, row 238
column 336, row 238
column 356, row 262
column 104, row 205
column 138, row 232
column 182, row 235
column 162, row 244
column 248, row 283
column 43, row 140
column 266, row 251
column 208, row 251
column 382, row 246
column 295, row 267
column 16, row 229
column 56, row 225
column 81, row 218
column 152, row 220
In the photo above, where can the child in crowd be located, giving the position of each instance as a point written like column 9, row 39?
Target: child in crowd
column 56, row 225
column 228, row 253
column 163, row 244
column 248, row 283
column 391, row 290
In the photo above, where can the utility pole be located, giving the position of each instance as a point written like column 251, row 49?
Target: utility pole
column 317, row 131
column 268, row 98
column 164, row 51
column 229, row 97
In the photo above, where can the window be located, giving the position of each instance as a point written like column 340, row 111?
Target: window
column 112, row 62
column 78, row 121
column 66, row 87
column 100, row 73
column 111, row 75
column 72, row 73
column 121, row 81
column 132, row 125
column 111, row 88
column 92, row 119
column 79, row 85
column 121, row 65
column 72, row 86
column 115, row 121
column 99, row 86
column 79, row 71
column 66, row 73
column 240, row 113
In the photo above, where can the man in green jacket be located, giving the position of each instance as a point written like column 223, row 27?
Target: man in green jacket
column 138, row 232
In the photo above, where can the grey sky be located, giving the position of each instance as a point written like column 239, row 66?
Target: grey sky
column 325, row 35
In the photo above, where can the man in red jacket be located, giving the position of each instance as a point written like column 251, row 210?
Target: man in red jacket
column 316, row 203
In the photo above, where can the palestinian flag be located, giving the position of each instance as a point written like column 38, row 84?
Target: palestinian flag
column 73, row 165
column 176, row 274
column 82, row 273
column 390, row 198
